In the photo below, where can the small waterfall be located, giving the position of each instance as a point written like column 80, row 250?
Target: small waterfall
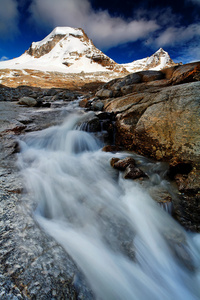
column 125, row 244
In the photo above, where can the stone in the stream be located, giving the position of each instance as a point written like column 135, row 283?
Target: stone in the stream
column 94, row 125
column 28, row 101
column 122, row 164
column 97, row 105
column 113, row 161
column 133, row 172
column 84, row 103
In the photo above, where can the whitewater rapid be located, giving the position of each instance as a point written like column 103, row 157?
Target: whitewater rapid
column 127, row 246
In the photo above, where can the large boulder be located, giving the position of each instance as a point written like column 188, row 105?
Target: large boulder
column 28, row 101
column 104, row 93
column 185, row 73
column 164, row 124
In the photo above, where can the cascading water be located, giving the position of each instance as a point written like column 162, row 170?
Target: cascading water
column 125, row 244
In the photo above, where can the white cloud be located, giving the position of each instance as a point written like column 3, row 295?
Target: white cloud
column 4, row 58
column 175, row 35
column 186, row 39
column 8, row 18
column 189, row 54
column 105, row 30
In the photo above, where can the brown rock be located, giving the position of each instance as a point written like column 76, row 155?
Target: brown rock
column 132, row 172
column 122, row 164
column 151, row 75
column 28, row 101
column 113, row 161
column 168, row 72
column 104, row 93
column 111, row 148
column 163, row 124
column 84, row 103
column 189, row 183
column 186, row 73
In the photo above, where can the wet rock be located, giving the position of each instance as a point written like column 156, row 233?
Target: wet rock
column 84, row 103
column 132, row 172
column 113, row 161
column 190, row 182
column 51, row 92
column 28, row 101
column 97, row 105
column 93, row 125
column 46, row 104
column 111, row 148
column 105, row 116
column 187, row 211
column 122, row 164
column 68, row 96
column 162, row 196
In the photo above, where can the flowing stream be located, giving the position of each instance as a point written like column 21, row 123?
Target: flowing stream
column 127, row 246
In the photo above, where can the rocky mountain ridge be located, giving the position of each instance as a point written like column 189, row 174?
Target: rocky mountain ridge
column 69, row 51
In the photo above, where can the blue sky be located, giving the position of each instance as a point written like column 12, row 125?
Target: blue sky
column 125, row 30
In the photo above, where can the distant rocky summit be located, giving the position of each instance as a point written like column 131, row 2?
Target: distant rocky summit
column 159, row 60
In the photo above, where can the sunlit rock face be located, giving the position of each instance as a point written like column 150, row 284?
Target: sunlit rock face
column 156, row 118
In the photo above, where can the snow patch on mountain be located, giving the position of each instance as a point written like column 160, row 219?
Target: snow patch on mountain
column 60, row 31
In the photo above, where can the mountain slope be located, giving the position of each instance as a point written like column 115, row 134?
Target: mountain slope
column 159, row 60
column 66, row 50
column 67, row 55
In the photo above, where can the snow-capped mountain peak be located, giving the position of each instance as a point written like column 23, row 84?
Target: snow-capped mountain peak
column 69, row 50
column 159, row 60
column 66, row 50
